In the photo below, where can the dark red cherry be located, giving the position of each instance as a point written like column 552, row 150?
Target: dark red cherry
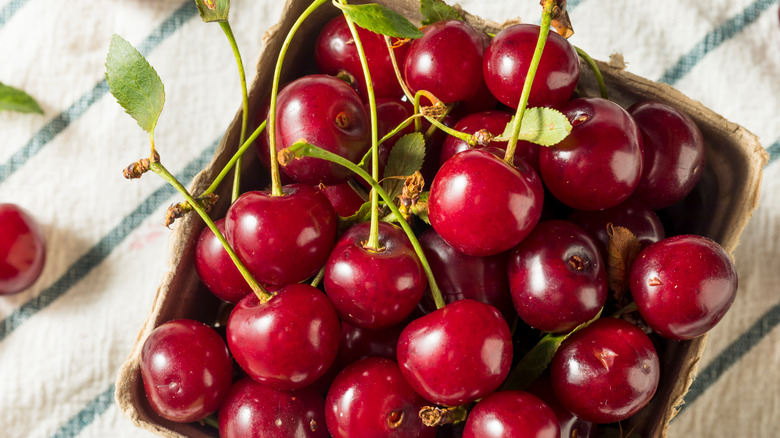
column 215, row 268
column 571, row 425
column 343, row 197
column 457, row 354
column 22, row 249
column 557, row 277
column 335, row 52
column 683, row 285
column 605, row 372
column 370, row 398
column 325, row 112
column 674, row 154
column 282, row 239
column 461, row 276
column 359, row 343
column 598, row 165
column 446, row 61
column 288, row 342
column 511, row 414
column 252, row 410
column 506, row 62
column 186, row 370
column 482, row 206
column 374, row 288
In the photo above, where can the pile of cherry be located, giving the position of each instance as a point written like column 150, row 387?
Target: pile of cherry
column 518, row 251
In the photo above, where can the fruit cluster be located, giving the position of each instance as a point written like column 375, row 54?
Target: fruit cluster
column 436, row 318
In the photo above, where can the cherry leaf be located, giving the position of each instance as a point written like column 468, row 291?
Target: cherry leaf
column 405, row 159
column 213, row 10
column 14, row 99
column 381, row 20
column 363, row 214
column 543, row 126
column 134, row 83
column 436, row 10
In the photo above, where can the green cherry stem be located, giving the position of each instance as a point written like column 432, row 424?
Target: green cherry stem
column 245, row 104
column 235, row 159
column 468, row 138
column 276, row 183
column 309, row 150
column 261, row 293
column 373, row 235
column 547, row 8
column 595, row 69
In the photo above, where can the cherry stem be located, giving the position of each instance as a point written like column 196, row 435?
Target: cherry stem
column 310, row 150
column 151, row 141
column 159, row 169
column 595, row 69
column 468, row 138
column 390, row 134
column 547, row 8
column 245, row 104
column 276, row 182
column 235, row 159
column 373, row 234
column 397, row 70
column 433, row 416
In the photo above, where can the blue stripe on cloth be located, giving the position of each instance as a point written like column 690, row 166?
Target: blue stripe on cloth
column 714, row 39
column 86, row 416
column 84, row 265
column 185, row 12
column 9, row 10
column 774, row 151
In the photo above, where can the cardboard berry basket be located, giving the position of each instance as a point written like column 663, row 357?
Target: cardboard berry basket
column 719, row 208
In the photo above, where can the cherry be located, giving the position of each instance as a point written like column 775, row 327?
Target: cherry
column 461, row 276
column 673, row 154
column 282, row 239
column 605, row 372
column 186, row 370
column 343, row 197
column 598, row 165
column 683, row 285
column 359, row 343
column 482, row 206
column 446, row 61
column 370, row 398
column 510, row 414
column 253, row 410
column 374, row 288
column 288, row 342
column 335, row 53
column 508, row 57
column 325, row 112
column 457, row 354
column 22, row 249
column 571, row 425
column 557, row 277
column 215, row 268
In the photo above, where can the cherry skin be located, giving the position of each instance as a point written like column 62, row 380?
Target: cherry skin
column 571, row 425
column 683, row 285
column 335, row 52
column 557, row 277
column 374, row 288
column 343, row 197
column 215, row 268
column 446, row 61
column 674, row 154
column 605, row 372
column 482, row 206
column 599, row 164
column 370, row 398
column 22, row 249
column 253, row 410
column 508, row 57
column 282, row 239
column 328, row 113
column 457, row 354
column 287, row 342
column 359, row 343
column 510, row 414
column 186, row 370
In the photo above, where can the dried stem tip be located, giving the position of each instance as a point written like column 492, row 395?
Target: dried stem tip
column 433, row 416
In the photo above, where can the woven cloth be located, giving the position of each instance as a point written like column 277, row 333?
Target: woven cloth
column 62, row 341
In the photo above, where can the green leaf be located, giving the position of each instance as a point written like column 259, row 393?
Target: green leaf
column 134, row 83
column 363, row 214
column 436, row 10
column 420, row 208
column 213, row 10
column 405, row 158
column 14, row 99
column 543, row 126
column 379, row 19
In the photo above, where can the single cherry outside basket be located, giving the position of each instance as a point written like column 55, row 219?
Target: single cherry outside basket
column 719, row 209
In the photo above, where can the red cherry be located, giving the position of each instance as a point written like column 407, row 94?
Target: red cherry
column 511, row 414
column 22, row 249
column 344, row 199
column 216, row 269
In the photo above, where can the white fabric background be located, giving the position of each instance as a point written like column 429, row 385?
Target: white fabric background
column 63, row 340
